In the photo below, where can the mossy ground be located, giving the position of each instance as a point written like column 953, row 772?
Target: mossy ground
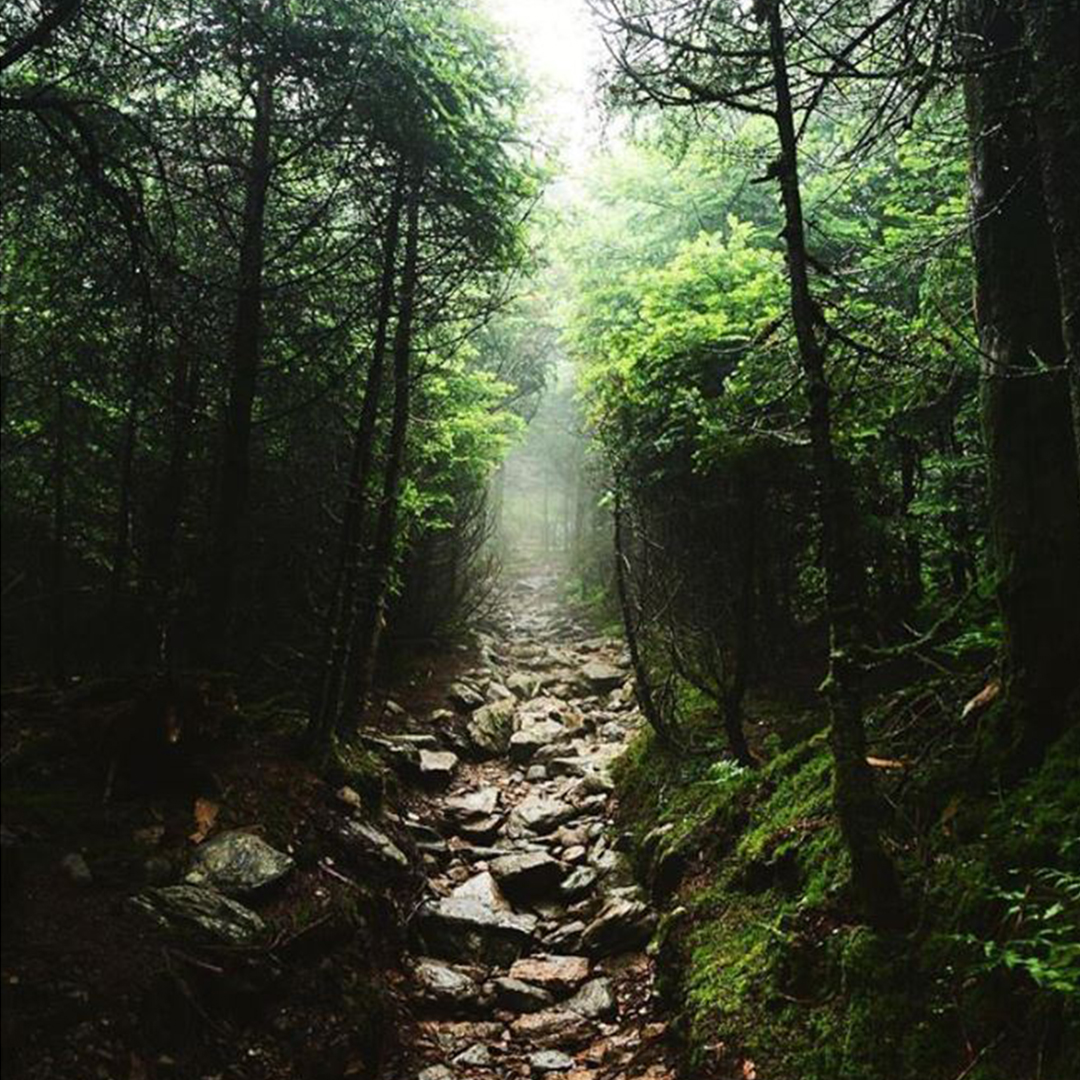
column 766, row 966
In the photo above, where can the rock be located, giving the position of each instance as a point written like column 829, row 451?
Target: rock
column 436, row 1072
column 158, row 870
column 595, row 1000
column 457, row 927
column 480, row 830
column 496, row 691
column 444, row 985
column 521, row 997
column 201, row 912
column 528, row 876
column 484, row 889
column 76, row 868
column 523, row 685
column 536, row 773
column 478, row 1056
column 552, row 1028
column 622, row 925
column 565, row 938
column 541, row 814
column 237, row 864
column 437, row 767
column 574, row 854
column 559, row 974
column 475, row 804
column 372, row 845
column 350, row 797
column 490, row 727
column 544, row 1061
column 464, row 697
column 601, row 677
column 526, row 742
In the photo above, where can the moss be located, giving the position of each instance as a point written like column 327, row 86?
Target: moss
column 762, row 961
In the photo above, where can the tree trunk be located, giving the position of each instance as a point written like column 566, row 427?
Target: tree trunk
column 858, row 807
column 345, row 600
column 1033, row 484
column 1053, row 30
column 58, row 547
column 373, row 611
column 234, row 493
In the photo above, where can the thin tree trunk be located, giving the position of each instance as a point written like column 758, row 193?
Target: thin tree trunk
column 1034, row 491
column 735, row 691
column 373, row 612
column 234, row 494
column 345, row 601
column 858, row 806
column 58, row 552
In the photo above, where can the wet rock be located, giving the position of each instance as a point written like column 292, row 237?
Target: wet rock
column 559, row 974
column 437, row 767
column 464, row 697
column 521, row 997
column 541, row 814
column 76, row 868
column 237, row 864
column 622, row 925
column 490, row 727
column 595, row 1000
column 545, row 1061
column 462, row 928
column 200, row 912
column 528, row 876
column 368, row 844
column 601, row 677
column 525, row 743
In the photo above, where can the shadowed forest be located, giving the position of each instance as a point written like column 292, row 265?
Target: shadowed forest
column 540, row 539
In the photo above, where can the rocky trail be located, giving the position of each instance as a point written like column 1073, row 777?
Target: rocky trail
column 527, row 954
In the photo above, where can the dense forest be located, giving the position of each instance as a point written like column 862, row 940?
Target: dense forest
column 481, row 604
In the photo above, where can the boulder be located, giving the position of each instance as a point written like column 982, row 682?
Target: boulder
column 529, row 876
column 490, row 727
column 237, row 864
column 202, row 913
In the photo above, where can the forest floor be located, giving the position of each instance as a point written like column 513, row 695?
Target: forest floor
column 451, row 903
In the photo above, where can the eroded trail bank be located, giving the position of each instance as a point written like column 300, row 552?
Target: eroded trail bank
column 527, row 954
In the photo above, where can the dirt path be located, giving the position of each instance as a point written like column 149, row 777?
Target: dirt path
column 528, row 956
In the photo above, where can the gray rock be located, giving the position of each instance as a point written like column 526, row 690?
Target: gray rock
column 541, row 814
column 474, row 804
column 496, row 691
column 565, row 938
column 478, row 1056
column 458, row 928
column 464, row 697
column 484, row 889
column 436, row 1072
column 444, row 985
column 490, row 727
column 525, row 743
column 369, row 844
column 536, row 773
column 480, row 830
column 200, row 912
column 437, row 766
column 237, row 864
column 528, row 876
column 523, row 685
column 601, row 677
column 545, row 1061
column 622, row 925
column 595, row 1001
column 521, row 997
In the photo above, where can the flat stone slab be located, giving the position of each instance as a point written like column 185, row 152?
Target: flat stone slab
column 202, row 913
column 541, row 814
column 463, row 928
column 559, row 974
column 528, row 876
